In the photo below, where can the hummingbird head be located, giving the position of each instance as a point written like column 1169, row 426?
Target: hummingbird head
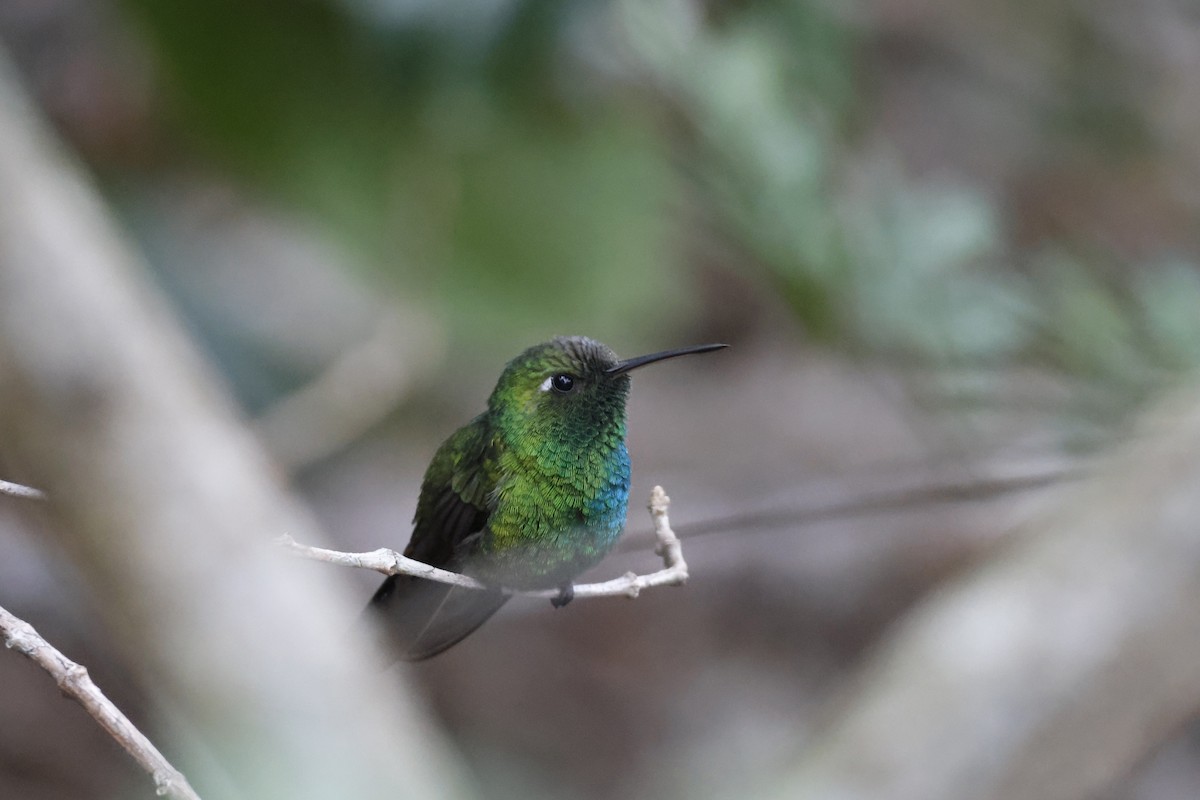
column 570, row 390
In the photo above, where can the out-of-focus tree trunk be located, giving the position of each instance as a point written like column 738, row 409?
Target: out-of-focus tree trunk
column 168, row 508
column 1051, row 670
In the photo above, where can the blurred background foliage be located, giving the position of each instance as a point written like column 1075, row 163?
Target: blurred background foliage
column 974, row 190
column 992, row 205
column 978, row 189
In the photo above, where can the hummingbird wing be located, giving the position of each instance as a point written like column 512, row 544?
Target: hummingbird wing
column 427, row 617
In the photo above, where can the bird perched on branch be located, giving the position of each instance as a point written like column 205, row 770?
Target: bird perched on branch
column 527, row 495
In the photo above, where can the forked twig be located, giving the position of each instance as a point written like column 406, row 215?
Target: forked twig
column 390, row 562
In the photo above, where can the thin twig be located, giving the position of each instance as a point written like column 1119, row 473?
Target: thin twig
column 75, row 682
column 872, row 502
column 390, row 562
column 876, row 502
column 17, row 490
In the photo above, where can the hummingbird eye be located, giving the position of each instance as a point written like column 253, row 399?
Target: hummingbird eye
column 562, row 383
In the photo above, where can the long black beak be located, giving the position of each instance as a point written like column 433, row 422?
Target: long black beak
column 641, row 361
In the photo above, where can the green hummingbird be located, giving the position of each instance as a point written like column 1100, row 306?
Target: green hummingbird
column 527, row 495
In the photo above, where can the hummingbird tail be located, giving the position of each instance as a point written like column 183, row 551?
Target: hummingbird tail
column 425, row 617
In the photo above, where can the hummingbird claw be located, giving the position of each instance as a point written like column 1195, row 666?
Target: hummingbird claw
column 566, row 593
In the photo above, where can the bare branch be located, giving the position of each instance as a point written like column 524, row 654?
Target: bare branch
column 17, row 490
column 75, row 682
column 390, row 562
column 875, row 501
column 923, row 495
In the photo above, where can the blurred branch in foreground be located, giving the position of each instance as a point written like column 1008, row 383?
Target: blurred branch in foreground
column 75, row 682
column 1053, row 669
column 167, row 508
column 389, row 562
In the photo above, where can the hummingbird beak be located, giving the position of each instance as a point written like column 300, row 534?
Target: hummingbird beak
column 622, row 367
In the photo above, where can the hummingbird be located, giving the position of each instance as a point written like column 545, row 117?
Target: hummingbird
column 527, row 495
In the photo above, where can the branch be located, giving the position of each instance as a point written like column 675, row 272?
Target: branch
column 390, row 562
column 17, row 490
column 75, row 682
column 867, row 502
column 886, row 500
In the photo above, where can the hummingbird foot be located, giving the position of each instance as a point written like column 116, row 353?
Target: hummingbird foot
column 566, row 593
